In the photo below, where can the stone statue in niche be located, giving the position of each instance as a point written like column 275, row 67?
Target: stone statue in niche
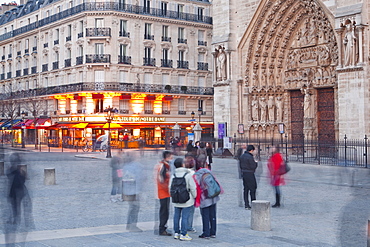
column 279, row 109
column 350, row 44
column 255, row 108
column 271, row 108
column 221, row 64
column 263, row 107
column 307, row 105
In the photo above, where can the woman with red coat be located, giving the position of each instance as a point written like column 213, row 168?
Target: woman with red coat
column 274, row 163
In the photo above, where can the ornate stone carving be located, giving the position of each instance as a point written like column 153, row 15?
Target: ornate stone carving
column 149, row 43
column 271, row 108
column 221, row 61
column 350, row 44
column 263, row 109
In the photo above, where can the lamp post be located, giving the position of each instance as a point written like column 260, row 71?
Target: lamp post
column 200, row 112
column 23, row 114
column 109, row 118
column 192, row 115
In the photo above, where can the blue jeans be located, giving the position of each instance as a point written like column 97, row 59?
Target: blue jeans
column 190, row 220
column 182, row 213
column 209, row 220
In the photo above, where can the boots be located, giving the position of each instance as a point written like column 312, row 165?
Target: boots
column 277, row 204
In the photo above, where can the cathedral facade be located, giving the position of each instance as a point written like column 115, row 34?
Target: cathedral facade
column 298, row 67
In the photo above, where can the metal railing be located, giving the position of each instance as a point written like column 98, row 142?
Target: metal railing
column 124, row 34
column 98, row 58
column 182, row 64
column 25, row 71
column 183, row 41
column 79, row 60
column 200, row 42
column 68, row 38
column 17, row 73
column 166, row 39
column 98, row 32
column 67, row 62
column 34, row 70
column 166, row 63
column 55, row 65
column 124, row 59
column 202, row 66
column 148, row 36
column 56, row 42
column 148, row 61
column 106, row 86
column 45, row 67
column 9, row 75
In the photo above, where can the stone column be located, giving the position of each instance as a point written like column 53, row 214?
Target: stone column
column 340, row 47
column 360, row 46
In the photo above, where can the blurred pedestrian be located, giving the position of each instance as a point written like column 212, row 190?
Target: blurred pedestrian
column 209, row 150
column 190, row 147
column 163, row 178
column 116, row 164
column 133, row 180
column 189, row 163
column 201, row 156
column 182, row 209
column 248, row 167
column 274, row 163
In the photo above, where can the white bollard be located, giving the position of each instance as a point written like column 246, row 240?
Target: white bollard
column 49, row 176
column 261, row 215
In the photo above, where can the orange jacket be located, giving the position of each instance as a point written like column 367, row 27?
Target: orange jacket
column 163, row 179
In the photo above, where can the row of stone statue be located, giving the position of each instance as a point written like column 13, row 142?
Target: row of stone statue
column 267, row 108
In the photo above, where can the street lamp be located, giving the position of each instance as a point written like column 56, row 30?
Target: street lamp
column 23, row 114
column 192, row 115
column 109, row 118
column 200, row 112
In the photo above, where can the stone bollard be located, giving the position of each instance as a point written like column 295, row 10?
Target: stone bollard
column 1, row 168
column 49, row 176
column 261, row 215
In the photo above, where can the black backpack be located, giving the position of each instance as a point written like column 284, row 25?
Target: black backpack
column 179, row 192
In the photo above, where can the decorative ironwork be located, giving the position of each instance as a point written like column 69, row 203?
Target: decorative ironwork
column 17, row 73
column 182, row 64
column 9, row 75
column 45, row 67
column 68, row 38
column 79, row 60
column 56, row 42
column 183, row 41
column 98, row 31
column 182, row 112
column 124, row 59
column 166, row 39
column 147, row 36
column 80, row 35
column 34, row 70
column 46, row 45
column 26, row 51
column 98, row 58
column 67, row 62
column 200, row 42
column 148, row 61
column 2, row 76
column 34, row 48
column 166, row 63
column 55, row 65
column 25, row 71
column 124, row 34
column 202, row 66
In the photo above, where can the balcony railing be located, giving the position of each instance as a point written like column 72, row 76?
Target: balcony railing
column 17, row 73
column 182, row 64
column 124, row 59
column 55, row 65
column 44, row 67
column 183, row 41
column 67, row 62
column 97, row 32
column 202, row 66
column 79, row 60
column 9, row 75
column 34, row 70
column 98, row 58
column 25, row 71
column 3, row 57
column 166, row 39
column 26, row 51
column 34, row 48
column 56, row 42
column 80, row 35
column 110, row 86
column 68, row 38
column 204, row 43
column 148, row 61
column 124, row 34
column 18, row 53
column 2, row 76
column 182, row 112
column 148, row 36
column 9, row 55
column 46, row 45
column 166, row 63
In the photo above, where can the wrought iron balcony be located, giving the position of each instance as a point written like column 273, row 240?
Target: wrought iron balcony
column 9, row 55
column 3, row 57
column 17, row 73
column 182, row 64
column 166, row 39
column 67, row 62
column 68, row 38
column 25, row 71
column 183, row 41
column 124, row 34
column 18, row 53
column 166, row 63
column 2, row 76
column 34, row 70
column 79, row 60
column 204, row 43
column 110, row 86
column 26, row 51
column 182, row 112
column 98, row 32
column 45, row 67
column 80, row 35
column 9, row 75
column 124, row 59
column 147, row 36
column 56, row 42
column 55, row 65
column 34, row 48
column 148, row 61
column 202, row 66
column 46, row 45
column 98, row 58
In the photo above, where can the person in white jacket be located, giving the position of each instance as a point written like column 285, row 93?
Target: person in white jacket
column 182, row 210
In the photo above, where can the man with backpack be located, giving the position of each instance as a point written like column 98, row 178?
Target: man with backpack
column 183, row 193
column 208, row 195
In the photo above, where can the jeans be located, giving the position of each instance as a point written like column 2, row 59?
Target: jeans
column 133, row 212
column 190, row 219
column 182, row 213
column 164, row 211
column 209, row 220
column 250, row 186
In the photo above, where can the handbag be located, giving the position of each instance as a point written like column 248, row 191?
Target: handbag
column 283, row 169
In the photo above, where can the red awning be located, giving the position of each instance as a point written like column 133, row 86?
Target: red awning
column 43, row 123
column 95, row 126
column 61, row 126
column 27, row 124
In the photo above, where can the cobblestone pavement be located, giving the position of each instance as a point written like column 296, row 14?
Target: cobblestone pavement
column 322, row 205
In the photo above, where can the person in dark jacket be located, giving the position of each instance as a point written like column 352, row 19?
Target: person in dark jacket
column 209, row 150
column 248, row 167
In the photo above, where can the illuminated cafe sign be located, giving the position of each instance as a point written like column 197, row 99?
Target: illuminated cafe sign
column 115, row 119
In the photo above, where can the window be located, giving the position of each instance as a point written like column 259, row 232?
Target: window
column 58, row 9
column 123, row 27
column 70, row 4
column 164, row 8
column 56, row 34
column 10, row 49
column 166, row 106
column 181, row 105
column 99, row 22
column 200, row 104
column 81, row 26
column 201, row 57
column 148, row 30
column 122, row 76
column 165, row 32
column 124, row 104
column 80, row 51
column 165, row 54
column 69, row 30
column 181, row 33
column 146, row 6
column 122, row 50
column 181, row 55
column 180, row 10
column 148, row 106
column 69, row 53
column 200, row 14
column 35, row 41
column 47, row 14
column 99, row 48
column 148, row 52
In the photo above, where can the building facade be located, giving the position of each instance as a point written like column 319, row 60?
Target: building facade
column 150, row 61
column 298, row 68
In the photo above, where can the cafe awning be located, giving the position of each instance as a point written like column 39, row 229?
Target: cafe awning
column 112, row 126
column 9, row 124
column 27, row 124
column 80, row 125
